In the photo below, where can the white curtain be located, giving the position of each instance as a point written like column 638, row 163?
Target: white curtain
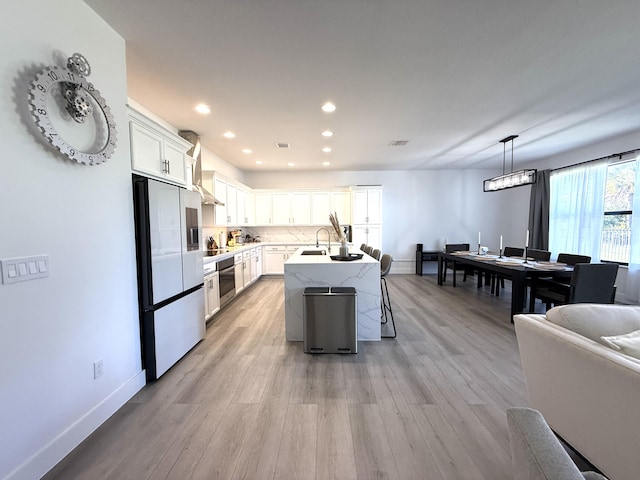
column 633, row 275
column 576, row 209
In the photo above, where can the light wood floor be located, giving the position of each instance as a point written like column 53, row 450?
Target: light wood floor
column 245, row 404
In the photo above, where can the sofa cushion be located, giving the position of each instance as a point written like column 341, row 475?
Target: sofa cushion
column 595, row 320
column 629, row 344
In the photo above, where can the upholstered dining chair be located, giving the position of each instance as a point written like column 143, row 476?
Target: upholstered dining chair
column 368, row 249
column 376, row 253
column 590, row 283
column 363, row 246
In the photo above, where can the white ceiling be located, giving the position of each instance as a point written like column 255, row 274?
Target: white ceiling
column 451, row 76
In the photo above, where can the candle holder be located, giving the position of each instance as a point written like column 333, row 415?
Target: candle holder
column 478, row 249
column 500, row 253
column 526, row 249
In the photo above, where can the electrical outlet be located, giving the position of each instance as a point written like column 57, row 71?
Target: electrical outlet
column 97, row 369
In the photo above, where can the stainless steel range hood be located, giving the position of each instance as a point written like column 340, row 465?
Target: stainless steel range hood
column 196, row 153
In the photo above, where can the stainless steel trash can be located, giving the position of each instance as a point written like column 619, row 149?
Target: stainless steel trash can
column 330, row 320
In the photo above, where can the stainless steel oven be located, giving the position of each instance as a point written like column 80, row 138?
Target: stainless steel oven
column 227, row 279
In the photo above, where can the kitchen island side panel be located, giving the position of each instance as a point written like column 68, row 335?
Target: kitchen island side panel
column 363, row 276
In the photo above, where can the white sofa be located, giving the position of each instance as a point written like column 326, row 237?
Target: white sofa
column 588, row 392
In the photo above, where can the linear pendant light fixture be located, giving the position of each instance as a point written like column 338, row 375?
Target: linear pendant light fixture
column 513, row 179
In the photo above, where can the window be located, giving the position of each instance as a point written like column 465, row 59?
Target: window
column 618, row 207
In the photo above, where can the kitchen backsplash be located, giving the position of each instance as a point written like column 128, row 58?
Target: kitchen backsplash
column 276, row 234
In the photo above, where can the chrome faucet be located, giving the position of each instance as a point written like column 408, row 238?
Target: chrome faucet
column 328, row 236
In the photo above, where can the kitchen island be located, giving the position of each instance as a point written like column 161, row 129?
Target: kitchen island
column 302, row 271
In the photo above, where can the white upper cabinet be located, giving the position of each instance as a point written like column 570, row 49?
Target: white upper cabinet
column 301, row 208
column 241, row 206
column 281, row 208
column 263, row 208
column 320, row 208
column 232, row 205
column 220, row 192
column 291, row 208
column 155, row 151
column 249, row 208
column 324, row 203
column 367, row 206
column 341, row 205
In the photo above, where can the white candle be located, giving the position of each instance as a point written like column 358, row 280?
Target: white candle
column 500, row 242
column 526, row 243
column 479, row 238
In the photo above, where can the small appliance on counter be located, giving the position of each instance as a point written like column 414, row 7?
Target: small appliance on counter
column 238, row 238
column 211, row 244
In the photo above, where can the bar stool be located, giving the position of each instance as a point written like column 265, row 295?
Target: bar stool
column 385, row 303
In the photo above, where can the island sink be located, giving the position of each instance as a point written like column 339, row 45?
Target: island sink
column 314, row 252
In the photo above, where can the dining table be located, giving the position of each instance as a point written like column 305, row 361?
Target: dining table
column 520, row 270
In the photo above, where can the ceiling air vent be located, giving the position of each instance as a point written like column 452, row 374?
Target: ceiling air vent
column 283, row 144
column 398, row 143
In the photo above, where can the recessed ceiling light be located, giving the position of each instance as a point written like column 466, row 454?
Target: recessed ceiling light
column 328, row 107
column 326, row 164
column 246, row 150
column 327, row 133
column 229, row 135
column 291, row 164
column 202, row 108
column 259, row 162
column 326, row 149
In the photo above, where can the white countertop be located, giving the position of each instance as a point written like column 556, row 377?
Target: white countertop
column 299, row 259
column 248, row 246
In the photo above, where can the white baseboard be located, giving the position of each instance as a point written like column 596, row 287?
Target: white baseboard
column 49, row 456
column 404, row 266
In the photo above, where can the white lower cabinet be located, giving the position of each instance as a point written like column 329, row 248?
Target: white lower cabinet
column 239, row 272
column 211, row 295
column 275, row 256
column 246, row 267
column 253, row 262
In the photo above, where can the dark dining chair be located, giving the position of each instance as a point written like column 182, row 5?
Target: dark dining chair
column 590, row 283
column 513, row 252
column 572, row 259
column 448, row 264
column 539, row 255
column 498, row 280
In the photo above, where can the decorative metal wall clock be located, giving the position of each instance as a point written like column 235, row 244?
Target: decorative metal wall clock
column 59, row 96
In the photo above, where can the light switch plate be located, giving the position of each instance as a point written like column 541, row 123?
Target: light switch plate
column 24, row 268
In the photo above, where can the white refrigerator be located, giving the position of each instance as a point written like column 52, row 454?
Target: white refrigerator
column 168, row 224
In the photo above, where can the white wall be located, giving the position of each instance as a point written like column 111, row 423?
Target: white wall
column 212, row 162
column 54, row 328
column 424, row 207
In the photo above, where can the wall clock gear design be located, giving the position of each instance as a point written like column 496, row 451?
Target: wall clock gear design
column 81, row 102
